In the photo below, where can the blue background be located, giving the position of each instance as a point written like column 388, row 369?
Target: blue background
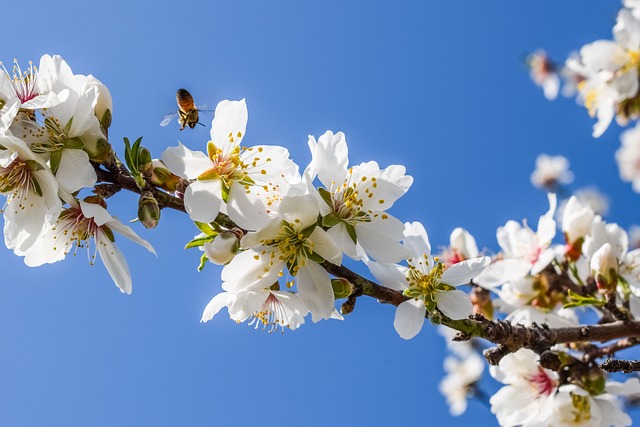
column 440, row 87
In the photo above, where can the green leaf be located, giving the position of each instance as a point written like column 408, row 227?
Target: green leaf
column 206, row 228
column 330, row 220
column 203, row 262
column 199, row 241
column 581, row 301
column 326, row 196
column 315, row 257
column 352, row 232
column 127, row 155
column 308, row 231
column 54, row 160
column 135, row 152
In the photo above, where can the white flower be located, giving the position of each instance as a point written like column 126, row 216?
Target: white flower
column 293, row 241
column 576, row 225
column 628, row 157
column 543, row 73
column 462, row 246
column 426, row 281
column 77, row 225
column 610, row 71
column 551, row 171
column 462, row 374
column 32, row 194
column 525, row 251
column 25, row 90
column 573, row 406
column 354, row 200
column 528, row 387
column 250, row 181
column 634, row 236
column 272, row 309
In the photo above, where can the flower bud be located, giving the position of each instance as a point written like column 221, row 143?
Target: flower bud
column 145, row 164
column 104, row 103
column 576, row 224
column 342, row 288
column 99, row 152
column 604, row 268
column 463, row 245
column 163, row 178
column 223, row 248
column 148, row 210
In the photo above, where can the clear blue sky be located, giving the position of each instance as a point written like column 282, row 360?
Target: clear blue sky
column 440, row 87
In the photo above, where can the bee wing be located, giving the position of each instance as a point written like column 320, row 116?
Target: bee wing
column 167, row 119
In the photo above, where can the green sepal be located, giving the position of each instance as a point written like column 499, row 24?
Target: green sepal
column 109, row 233
column 54, row 160
column 330, row 220
column 412, row 293
column 2, row 147
column 74, row 143
column 315, row 257
column 105, row 120
column 246, row 180
column 206, row 228
column 225, row 192
column 580, row 301
column 203, row 262
column 34, row 165
column 67, row 128
column 352, row 232
column 2, row 103
column 199, row 241
column 444, row 287
column 326, row 196
column 308, row 231
column 208, row 175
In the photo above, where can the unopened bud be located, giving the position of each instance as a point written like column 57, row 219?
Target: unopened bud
column 223, row 248
column 163, row 178
column 604, row 268
column 148, row 210
column 342, row 288
column 145, row 163
column 593, row 381
column 99, row 152
column 481, row 300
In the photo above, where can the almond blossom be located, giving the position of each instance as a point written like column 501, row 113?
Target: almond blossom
column 294, row 242
column 551, row 171
column 247, row 182
column 427, row 282
column 355, row 200
column 79, row 224
column 628, row 157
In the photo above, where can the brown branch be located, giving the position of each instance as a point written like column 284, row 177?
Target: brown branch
column 626, row 366
column 612, row 349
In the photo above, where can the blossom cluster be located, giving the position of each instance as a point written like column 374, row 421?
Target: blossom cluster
column 277, row 230
column 53, row 130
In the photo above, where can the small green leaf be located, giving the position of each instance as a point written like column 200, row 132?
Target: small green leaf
column 206, row 228
column 34, row 165
column 326, row 196
column 315, row 257
column 203, row 262
column 127, row 155
column 199, row 241
column 330, row 220
column 580, row 301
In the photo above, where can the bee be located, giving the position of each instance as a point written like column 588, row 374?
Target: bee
column 187, row 111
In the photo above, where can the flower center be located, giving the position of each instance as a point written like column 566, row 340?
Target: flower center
column 542, row 382
column 272, row 314
column 348, row 199
column 227, row 167
column 23, row 82
column 581, row 408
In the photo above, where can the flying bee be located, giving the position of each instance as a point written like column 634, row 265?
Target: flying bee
column 187, row 111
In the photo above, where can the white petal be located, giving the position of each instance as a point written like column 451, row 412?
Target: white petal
column 186, row 163
column 229, row 124
column 501, row 271
column 246, row 210
column 114, row 261
column 409, row 318
column 202, row 200
column 392, row 276
column 93, row 210
column 75, row 170
column 416, row 239
column 127, row 232
column 343, row 241
column 454, row 304
column 314, row 287
column 324, row 246
column 331, row 158
column 462, row 272
column 223, row 299
column 251, row 270
column 301, row 211
column 381, row 239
